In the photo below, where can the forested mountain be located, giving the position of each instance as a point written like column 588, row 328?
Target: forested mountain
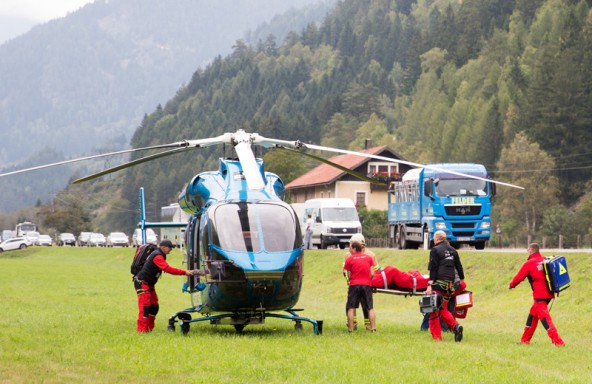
column 82, row 83
column 506, row 83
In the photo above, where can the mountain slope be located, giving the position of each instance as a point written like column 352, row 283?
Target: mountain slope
column 83, row 82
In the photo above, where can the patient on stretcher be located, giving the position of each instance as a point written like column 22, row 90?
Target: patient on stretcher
column 392, row 278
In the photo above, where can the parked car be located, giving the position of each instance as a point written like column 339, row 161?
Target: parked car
column 32, row 237
column 6, row 234
column 117, row 239
column 150, row 237
column 45, row 240
column 66, row 239
column 97, row 240
column 14, row 243
column 83, row 239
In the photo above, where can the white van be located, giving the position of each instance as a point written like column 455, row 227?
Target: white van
column 150, row 237
column 335, row 221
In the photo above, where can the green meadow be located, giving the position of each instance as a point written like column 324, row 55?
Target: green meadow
column 68, row 316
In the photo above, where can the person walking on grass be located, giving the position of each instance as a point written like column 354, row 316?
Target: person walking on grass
column 359, row 270
column 533, row 270
column 444, row 265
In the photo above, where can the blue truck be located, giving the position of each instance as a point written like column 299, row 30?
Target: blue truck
column 430, row 199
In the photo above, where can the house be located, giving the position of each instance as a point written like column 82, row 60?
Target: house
column 326, row 181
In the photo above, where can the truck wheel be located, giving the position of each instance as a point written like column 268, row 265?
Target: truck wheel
column 480, row 245
column 403, row 238
column 323, row 245
column 397, row 238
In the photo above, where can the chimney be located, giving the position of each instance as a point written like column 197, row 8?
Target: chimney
column 367, row 143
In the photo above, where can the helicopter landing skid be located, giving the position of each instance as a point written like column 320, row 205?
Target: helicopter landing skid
column 240, row 319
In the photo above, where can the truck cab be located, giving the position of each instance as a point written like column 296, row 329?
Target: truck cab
column 431, row 199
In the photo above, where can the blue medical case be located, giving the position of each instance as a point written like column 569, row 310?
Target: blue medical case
column 556, row 273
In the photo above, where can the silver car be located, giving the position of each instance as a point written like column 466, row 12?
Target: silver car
column 14, row 243
column 117, row 239
column 45, row 240
column 97, row 240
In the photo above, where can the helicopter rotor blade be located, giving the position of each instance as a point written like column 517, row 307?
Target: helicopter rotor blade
column 340, row 167
column 130, row 164
column 302, row 146
column 251, row 169
column 177, row 144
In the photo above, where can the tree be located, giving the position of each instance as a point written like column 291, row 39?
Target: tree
column 523, row 163
column 285, row 164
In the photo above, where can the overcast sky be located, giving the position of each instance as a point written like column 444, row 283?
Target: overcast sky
column 18, row 16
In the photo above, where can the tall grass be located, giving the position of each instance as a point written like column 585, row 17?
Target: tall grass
column 68, row 316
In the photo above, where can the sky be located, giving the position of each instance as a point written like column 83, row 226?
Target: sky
column 18, row 16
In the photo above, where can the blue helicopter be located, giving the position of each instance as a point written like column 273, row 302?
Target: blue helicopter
column 241, row 231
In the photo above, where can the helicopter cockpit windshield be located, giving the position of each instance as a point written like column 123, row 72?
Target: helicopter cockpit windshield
column 254, row 227
column 455, row 186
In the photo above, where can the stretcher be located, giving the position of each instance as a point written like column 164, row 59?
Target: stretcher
column 393, row 289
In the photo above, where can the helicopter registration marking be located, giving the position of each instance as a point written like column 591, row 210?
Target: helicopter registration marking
column 462, row 200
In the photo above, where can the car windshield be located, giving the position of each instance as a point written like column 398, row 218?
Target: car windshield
column 117, row 235
column 340, row 214
column 253, row 227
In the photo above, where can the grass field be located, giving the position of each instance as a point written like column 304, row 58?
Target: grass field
column 68, row 316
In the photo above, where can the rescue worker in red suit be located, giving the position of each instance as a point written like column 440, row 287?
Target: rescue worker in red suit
column 533, row 270
column 390, row 277
column 444, row 265
column 146, row 279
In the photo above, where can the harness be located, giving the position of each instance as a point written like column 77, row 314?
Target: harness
column 444, row 286
column 385, row 282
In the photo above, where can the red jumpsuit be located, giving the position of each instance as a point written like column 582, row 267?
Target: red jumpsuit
column 533, row 270
column 394, row 278
column 144, row 284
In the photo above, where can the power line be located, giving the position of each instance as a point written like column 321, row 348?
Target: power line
column 542, row 170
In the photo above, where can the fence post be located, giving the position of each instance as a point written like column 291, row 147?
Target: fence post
column 544, row 241
column 578, row 241
column 560, row 241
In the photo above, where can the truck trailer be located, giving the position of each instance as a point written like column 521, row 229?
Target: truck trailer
column 430, row 199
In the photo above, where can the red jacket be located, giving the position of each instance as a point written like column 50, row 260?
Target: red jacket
column 533, row 270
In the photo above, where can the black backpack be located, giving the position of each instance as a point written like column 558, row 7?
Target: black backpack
column 140, row 257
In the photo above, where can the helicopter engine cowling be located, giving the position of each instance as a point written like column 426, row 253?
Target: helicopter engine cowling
column 227, row 183
column 200, row 192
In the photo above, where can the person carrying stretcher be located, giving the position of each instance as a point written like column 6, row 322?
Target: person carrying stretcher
column 444, row 266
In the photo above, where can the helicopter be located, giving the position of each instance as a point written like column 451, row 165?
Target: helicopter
column 240, row 231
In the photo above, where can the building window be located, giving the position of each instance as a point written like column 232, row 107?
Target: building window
column 360, row 199
column 383, row 170
column 322, row 194
column 329, row 194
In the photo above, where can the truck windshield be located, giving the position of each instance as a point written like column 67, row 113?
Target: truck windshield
column 340, row 214
column 249, row 227
column 461, row 187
